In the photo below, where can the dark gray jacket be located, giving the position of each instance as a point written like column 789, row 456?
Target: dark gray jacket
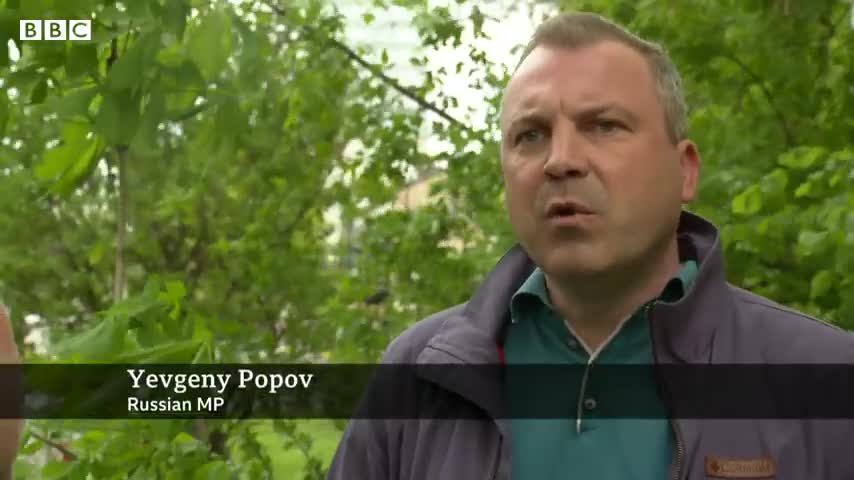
column 715, row 323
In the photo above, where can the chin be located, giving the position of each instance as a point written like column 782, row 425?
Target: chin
column 573, row 260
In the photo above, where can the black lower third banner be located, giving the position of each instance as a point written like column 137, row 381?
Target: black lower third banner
column 101, row 391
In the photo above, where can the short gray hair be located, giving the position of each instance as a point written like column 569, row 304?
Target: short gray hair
column 580, row 29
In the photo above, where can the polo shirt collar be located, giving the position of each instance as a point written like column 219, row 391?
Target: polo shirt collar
column 533, row 289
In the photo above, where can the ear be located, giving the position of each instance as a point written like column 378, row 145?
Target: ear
column 689, row 161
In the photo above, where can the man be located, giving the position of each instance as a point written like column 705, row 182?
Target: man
column 608, row 269
column 10, row 429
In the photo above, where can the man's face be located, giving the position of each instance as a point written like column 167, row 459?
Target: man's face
column 593, row 181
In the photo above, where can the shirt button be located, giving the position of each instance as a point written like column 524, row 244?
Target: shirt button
column 573, row 343
column 590, row 403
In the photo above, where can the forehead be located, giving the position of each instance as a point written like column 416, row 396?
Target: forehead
column 603, row 72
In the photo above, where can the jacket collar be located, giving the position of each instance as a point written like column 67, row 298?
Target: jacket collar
column 683, row 331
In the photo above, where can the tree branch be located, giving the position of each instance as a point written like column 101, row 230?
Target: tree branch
column 67, row 454
column 787, row 133
column 121, row 228
column 121, row 152
column 114, row 53
column 189, row 113
column 198, row 256
column 405, row 91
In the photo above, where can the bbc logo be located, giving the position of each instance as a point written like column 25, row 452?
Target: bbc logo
column 56, row 29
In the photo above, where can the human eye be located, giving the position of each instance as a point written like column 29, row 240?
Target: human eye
column 607, row 126
column 529, row 136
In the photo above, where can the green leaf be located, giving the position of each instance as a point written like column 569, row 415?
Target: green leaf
column 74, row 104
column 39, row 92
column 32, row 447
column 174, row 17
column 184, row 443
column 138, row 304
column 368, row 18
column 175, row 352
column 50, row 55
column 210, row 43
column 110, row 14
column 56, row 470
column 145, row 140
column 801, row 158
column 74, row 8
column 229, row 121
column 69, row 164
column 96, row 253
column 172, row 56
column 809, row 242
column 175, row 291
column 81, row 169
column 821, row 284
column 748, row 202
column 804, row 189
column 81, row 60
column 775, row 182
column 100, row 344
column 56, row 160
column 118, row 117
column 216, row 470
column 101, row 35
column 139, row 9
column 130, row 68
column 181, row 86
column 173, row 295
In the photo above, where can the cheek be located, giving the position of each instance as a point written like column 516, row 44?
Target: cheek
column 642, row 177
column 520, row 195
column 523, row 194
column 643, row 197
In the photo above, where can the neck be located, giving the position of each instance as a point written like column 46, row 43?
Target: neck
column 595, row 306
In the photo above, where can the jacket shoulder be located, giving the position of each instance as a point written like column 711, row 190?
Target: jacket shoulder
column 405, row 347
column 791, row 336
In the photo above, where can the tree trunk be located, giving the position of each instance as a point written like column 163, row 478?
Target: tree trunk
column 119, row 281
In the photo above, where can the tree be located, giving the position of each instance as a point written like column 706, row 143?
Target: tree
column 165, row 184
column 768, row 83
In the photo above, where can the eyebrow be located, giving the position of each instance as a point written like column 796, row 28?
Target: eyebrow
column 536, row 115
column 528, row 115
column 597, row 110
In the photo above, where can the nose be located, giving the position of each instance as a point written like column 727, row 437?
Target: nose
column 566, row 156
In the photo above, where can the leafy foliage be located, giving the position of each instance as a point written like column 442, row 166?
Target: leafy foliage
column 242, row 123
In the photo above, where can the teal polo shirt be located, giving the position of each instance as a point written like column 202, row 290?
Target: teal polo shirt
column 585, row 446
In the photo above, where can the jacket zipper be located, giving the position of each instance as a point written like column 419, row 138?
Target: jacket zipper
column 680, row 450
column 496, row 467
column 680, row 446
column 497, row 464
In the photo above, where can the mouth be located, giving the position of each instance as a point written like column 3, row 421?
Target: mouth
column 565, row 209
column 567, row 214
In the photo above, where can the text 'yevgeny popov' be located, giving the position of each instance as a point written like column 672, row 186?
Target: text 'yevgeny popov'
column 246, row 378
